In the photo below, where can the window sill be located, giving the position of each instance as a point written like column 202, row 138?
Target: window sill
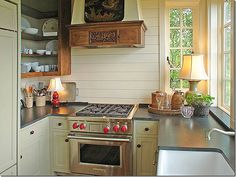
column 221, row 117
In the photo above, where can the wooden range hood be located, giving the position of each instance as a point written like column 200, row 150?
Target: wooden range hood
column 108, row 34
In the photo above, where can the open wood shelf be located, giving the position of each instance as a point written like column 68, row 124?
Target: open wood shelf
column 37, row 55
column 37, row 37
column 38, row 74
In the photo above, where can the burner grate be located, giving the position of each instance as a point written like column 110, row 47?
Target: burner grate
column 108, row 110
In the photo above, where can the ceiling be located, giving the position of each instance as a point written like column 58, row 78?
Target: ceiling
column 41, row 5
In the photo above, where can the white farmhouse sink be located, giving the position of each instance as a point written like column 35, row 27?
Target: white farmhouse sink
column 180, row 162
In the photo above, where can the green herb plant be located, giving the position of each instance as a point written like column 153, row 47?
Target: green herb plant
column 199, row 100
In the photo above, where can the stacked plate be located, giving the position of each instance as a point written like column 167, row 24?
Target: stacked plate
column 50, row 27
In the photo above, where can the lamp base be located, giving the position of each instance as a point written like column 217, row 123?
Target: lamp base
column 192, row 88
column 55, row 100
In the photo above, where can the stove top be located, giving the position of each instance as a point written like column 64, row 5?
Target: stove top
column 108, row 110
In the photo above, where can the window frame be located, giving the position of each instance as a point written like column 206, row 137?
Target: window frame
column 195, row 27
column 220, row 77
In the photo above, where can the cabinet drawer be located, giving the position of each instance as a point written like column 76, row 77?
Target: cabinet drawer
column 35, row 130
column 8, row 16
column 146, row 127
column 59, row 123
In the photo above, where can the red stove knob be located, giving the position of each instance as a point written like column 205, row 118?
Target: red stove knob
column 75, row 125
column 82, row 126
column 124, row 128
column 116, row 128
column 106, row 129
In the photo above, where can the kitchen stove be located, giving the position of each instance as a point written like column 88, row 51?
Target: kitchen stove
column 104, row 118
column 100, row 140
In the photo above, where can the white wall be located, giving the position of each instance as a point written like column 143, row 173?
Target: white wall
column 119, row 75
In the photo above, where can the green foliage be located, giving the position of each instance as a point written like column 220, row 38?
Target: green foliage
column 199, row 100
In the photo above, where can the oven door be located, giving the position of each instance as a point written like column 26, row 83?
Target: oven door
column 100, row 155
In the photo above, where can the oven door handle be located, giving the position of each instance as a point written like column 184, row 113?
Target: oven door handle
column 99, row 138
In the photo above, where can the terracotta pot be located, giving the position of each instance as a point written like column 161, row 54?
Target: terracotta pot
column 177, row 100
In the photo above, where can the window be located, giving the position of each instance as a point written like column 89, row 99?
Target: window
column 181, row 40
column 226, row 55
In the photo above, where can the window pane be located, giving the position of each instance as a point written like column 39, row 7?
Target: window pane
column 227, row 93
column 175, row 58
column 187, row 18
column 174, row 17
column 227, row 66
column 227, row 38
column 174, row 38
column 187, row 51
column 227, row 11
column 174, row 79
column 187, row 38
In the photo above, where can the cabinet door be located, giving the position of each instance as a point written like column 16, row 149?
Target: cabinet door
column 8, row 16
column 11, row 171
column 34, row 151
column 146, row 149
column 8, row 95
column 60, row 149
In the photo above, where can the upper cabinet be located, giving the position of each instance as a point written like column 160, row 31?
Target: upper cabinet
column 45, row 54
column 108, row 34
column 8, row 16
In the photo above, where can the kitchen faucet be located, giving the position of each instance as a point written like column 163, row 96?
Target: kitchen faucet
column 230, row 133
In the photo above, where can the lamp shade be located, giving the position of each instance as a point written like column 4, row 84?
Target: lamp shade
column 55, row 85
column 193, row 68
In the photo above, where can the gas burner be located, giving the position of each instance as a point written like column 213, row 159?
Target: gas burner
column 108, row 110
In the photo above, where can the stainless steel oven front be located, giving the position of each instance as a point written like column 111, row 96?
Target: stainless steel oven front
column 97, row 154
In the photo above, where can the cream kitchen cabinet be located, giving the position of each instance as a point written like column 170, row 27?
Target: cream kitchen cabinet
column 8, row 78
column 59, row 144
column 145, row 148
column 34, row 156
column 11, row 171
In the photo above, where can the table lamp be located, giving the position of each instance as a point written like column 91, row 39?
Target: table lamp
column 54, row 86
column 193, row 70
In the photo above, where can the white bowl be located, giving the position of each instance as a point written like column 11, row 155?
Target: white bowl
column 25, row 67
column 31, row 30
column 36, row 68
column 34, row 63
column 41, row 52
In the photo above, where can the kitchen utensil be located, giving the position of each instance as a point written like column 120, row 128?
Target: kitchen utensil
column 50, row 27
column 40, row 52
column 24, row 23
column 52, row 45
column 31, row 31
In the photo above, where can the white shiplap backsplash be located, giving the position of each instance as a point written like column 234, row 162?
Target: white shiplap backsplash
column 118, row 75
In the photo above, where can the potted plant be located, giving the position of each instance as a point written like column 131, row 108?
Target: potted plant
column 200, row 102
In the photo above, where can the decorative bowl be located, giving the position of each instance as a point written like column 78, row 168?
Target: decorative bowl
column 36, row 68
column 41, row 52
column 31, row 30
column 187, row 111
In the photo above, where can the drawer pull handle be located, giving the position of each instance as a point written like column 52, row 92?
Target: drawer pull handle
column 59, row 124
column 146, row 129
column 21, row 157
column 139, row 145
column 66, row 140
column 32, row 132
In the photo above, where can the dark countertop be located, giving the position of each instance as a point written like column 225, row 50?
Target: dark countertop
column 176, row 132
column 34, row 114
